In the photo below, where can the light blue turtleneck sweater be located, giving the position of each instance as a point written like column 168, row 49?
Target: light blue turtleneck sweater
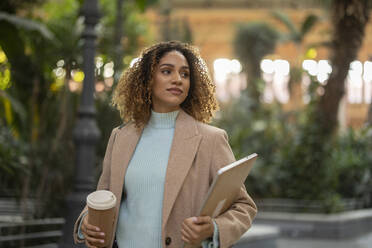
column 139, row 223
column 140, row 215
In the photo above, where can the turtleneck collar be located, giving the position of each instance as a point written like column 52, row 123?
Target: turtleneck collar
column 163, row 120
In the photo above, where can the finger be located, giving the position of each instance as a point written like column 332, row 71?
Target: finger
column 91, row 227
column 94, row 241
column 186, row 240
column 94, row 234
column 202, row 220
column 190, row 222
column 192, row 235
column 195, row 228
column 86, row 232
column 185, row 234
column 189, row 241
column 89, row 245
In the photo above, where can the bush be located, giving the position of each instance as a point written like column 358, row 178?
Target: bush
column 295, row 160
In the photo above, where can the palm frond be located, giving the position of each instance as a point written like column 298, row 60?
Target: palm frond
column 284, row 18
column 308, row 24
column 27, row 24
column 326, row 44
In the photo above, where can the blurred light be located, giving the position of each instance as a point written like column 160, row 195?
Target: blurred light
column 281, row 67
column 355, row 82
column 311, row 53
column 60, row 63
column 367, row 74
column 73, row 86
column 305, row 83
column 221, row 68
column 259, row 125
column 57, row 85
column 2, row 57
column 320, row 91
column 133, row 61
column 324, row 66
column 355, row 77
column 229, row 81
column 99, row 62
column 268, row 94
column 108, row 70
column 309, row 64
column 60, row 72
column 276, row 76
column 100, row 86
column 109, row 81
column 5, row 80
column 280, row 87
column 356, row 66
column 268, row 77
column 267, row 66
column 109, row 65
column 322, row 77
column 235, row 66
column 77, row 76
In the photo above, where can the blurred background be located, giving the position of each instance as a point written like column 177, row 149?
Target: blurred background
column 293, row 78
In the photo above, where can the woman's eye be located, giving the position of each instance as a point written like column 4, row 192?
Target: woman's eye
column 185, row 74
column 165, row 72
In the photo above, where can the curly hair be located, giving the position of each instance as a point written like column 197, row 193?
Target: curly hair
column 132, row 95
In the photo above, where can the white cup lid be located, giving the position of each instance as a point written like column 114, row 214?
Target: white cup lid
column 101, row 200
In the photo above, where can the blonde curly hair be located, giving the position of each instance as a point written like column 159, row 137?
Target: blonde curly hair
column 132, row 95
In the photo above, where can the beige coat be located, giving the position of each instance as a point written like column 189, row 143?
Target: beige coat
column 198, row 151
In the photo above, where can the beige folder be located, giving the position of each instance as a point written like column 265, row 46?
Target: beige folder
column 225, row 187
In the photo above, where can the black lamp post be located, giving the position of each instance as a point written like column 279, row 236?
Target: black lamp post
column 86, row 132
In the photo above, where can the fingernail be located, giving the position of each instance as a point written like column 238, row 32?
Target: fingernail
column 194, row 219
column 102, row 234
column 97, row 229
column 102, row 241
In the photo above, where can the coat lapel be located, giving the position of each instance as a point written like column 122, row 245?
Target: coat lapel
column 184, row 146
column 122, row 152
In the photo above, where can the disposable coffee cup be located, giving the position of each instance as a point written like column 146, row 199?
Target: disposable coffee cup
column 101, row 212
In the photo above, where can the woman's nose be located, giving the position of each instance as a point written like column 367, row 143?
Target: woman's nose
column 177, row 79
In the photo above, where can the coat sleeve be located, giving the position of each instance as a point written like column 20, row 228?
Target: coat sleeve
column 234, row 222
column 103, row 182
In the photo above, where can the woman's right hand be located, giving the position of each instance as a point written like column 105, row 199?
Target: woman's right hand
column 93, row 237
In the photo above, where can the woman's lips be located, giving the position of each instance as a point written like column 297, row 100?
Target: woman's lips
column 175, row 91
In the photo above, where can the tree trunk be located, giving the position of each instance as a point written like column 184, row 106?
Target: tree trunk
column 369, row 119
column 349, row 20
column 118, row 55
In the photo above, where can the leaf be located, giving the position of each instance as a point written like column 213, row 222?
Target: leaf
column 326, row 44
column 308, row 24
column 16, row 106
column 27, row 24
column 283, row 18
column 143, row 4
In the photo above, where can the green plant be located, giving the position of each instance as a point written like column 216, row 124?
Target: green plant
column 295, row 160
column 252, row 42
column 37, row 107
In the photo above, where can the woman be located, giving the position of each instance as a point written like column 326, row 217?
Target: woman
column 161, row 163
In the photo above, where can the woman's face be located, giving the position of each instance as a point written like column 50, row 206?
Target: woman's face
column 171, row 82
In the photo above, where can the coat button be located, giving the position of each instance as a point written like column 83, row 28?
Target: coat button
column 168, row 240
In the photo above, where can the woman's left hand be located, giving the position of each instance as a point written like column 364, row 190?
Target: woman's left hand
column 197, row 229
